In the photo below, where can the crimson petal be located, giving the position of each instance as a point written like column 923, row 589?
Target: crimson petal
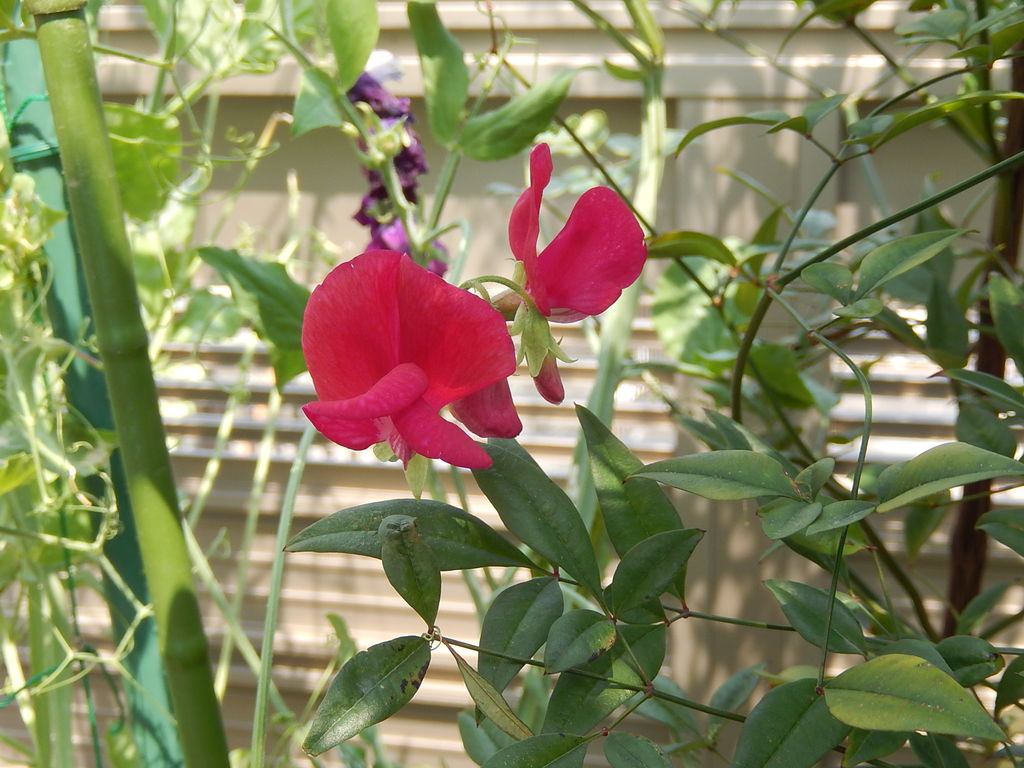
column 356, row 434
column 489, row 412
column 524, row 223
column 599, row 251
column 425, row 432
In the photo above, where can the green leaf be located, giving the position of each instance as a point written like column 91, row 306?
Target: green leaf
column 579, row 703
column 871, row 745
column 633, row 508
column 813, row 477
column 979, row 426
column 731, row 695
column 146, row 150
column 945, row 328
column 676, row 245
column 1007, row 303
column 937, row 751
column 648, row 569
column 724, row 475
column 780, row 372
column 1005, row 526
column 481, row 740
column 577, row 638
column 549, row 750
column 271, row 300
column 939, row 110
column 315, row 105
column 789, row 728
column 1011, row 685
column 839, row 514
column 913, row 646
column 511, row 128
column 938, row 469
column 490, row 702
column 897, row 692
column 517, row 624
column 687, row 325
column 866, row 307
column 352, row 29
column 897, row 256
column 445, row 77
column 537, row 511
column 922, row 520
column 457, row 540
column 15, row 471
column 624, row 750
column 972, row 659
column 678, row 718
column 1005, row 396
column 979, row 607
column 768, row 117
column 410, row 566
column 371, row 687
column 784, row 517
column 806, row 608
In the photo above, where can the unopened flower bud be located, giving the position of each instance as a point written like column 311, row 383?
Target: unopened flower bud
column 549, row 381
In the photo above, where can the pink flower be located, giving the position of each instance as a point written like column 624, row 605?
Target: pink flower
column 599, row 251
column 388, row 344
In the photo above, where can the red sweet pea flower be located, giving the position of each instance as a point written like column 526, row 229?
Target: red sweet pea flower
column 389, row 344
column 599, row 251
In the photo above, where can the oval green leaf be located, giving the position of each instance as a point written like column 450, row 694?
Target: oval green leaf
column 624, row 750
column 839, row 514
column 352, row 29
column 806, row 607
column 371, row 687
column 315, row 106
column 897, row 256
column 646, row 571
column 789, row 728
column 633, row 508
column 577, row 638
column 511, row 128
column 490, row 702
column 457, row 540
column 445, row 77
column 549, row 750
column 539, row 512
column 939, row 469
column 676, row 245
column 897, row 692
column 410, row 566
column 517, row 624
column 724, row 475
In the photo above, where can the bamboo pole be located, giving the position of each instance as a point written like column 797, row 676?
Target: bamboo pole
column 98, row 215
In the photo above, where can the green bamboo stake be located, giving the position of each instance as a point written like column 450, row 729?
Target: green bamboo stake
column 34, row 152
column 96, row 208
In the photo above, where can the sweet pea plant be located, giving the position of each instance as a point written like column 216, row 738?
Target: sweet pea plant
column 573, row 641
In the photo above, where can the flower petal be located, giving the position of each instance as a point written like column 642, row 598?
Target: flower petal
column 350, row 330
column 524, row 223
column 599, row 251
column 489, row 412
column 424, row 431
column 356, row 434
column 459, row 340
column 398, row 389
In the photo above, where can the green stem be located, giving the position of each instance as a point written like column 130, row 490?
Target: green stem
column 252, row 517
column 96, row 208
column 259, row 724
column 655, row 693
column 688, row 614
